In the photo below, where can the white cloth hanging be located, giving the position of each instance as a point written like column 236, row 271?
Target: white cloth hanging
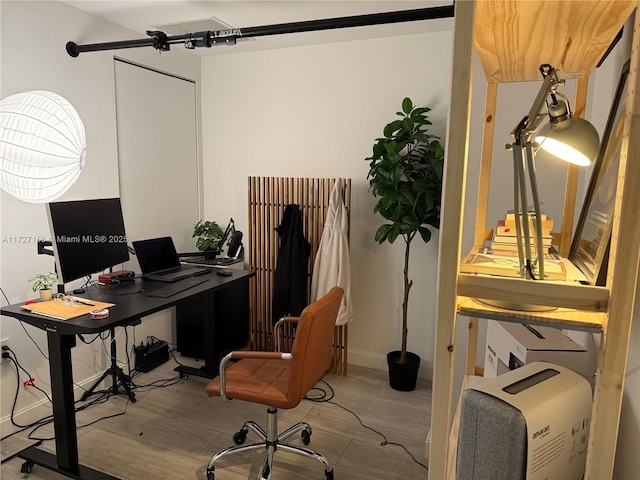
column 332, row 265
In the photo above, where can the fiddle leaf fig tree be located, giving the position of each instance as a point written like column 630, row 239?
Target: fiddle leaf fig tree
column 405, row 176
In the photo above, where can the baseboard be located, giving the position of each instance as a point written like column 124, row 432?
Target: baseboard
column 379, row 362
column 42, row 408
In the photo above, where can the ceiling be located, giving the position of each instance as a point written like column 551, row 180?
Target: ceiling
column 197, row 15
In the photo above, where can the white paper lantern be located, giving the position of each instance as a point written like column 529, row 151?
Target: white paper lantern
column 42, row 146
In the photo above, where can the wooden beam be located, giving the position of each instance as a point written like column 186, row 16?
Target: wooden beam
column 485, row 164
column 570, row 35
column 561, row 294
column 622, row 278
column 457, row 148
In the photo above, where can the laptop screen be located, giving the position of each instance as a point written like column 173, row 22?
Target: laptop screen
column 156, row 254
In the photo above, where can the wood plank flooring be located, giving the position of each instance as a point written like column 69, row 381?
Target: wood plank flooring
column 171, row 432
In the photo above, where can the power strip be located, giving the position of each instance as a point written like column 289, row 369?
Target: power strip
column 151, row 356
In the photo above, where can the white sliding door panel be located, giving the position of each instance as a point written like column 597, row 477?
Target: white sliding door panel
column 157, row 154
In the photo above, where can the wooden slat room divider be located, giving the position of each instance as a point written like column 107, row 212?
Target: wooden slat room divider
column 267, row 198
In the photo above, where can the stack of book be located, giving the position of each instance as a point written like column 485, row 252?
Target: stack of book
column 505, row 264
column 504, row 235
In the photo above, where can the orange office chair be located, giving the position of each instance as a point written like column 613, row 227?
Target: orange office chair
column 280, row 380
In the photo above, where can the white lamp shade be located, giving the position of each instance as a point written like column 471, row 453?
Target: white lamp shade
column 573, row 140
column 42, row 146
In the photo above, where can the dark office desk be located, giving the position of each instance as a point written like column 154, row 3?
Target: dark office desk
column 131, row 304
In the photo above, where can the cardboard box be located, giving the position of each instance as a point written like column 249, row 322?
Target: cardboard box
column 512, row 345
column 533, row 423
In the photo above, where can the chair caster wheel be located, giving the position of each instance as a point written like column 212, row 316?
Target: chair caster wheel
column 240, row 437
column 26, row 467
column 184, row 376
column 306, row 436
column 327, row 474
column 211, row 473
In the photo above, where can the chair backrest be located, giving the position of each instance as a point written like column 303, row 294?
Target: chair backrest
column 311, row 348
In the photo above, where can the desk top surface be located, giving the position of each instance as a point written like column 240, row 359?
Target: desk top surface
column 131, row 303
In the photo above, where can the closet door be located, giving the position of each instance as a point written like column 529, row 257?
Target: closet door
column 157, row 154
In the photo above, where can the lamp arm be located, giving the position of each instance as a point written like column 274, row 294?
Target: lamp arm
column 532, row 120
column 531, row 168
column 521, row 213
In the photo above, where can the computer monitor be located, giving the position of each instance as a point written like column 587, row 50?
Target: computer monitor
column 88, row 236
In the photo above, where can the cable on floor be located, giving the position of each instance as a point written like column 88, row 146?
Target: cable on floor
column 36, row 425
column 320, row 395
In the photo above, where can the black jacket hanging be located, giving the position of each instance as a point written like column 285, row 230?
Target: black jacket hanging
column 290, row 289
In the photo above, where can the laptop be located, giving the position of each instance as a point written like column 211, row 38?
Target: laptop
column 159, row 260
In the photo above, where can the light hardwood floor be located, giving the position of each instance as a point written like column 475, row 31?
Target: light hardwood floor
column 171, row 432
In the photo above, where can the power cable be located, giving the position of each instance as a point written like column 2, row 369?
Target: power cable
column 321, row 396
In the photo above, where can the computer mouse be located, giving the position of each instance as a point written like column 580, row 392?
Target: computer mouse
column 224, row 273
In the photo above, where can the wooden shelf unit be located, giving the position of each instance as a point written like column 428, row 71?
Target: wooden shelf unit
column 512, row 38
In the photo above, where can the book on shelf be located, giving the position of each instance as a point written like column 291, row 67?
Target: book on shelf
column 503, row 229
column 513, row 240
column 505, row 237
column 488, row 262
column 513, row 247
column 510, row 215
column 546, row 224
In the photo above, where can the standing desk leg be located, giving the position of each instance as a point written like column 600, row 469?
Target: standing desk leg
column 65, row 461
column 64, row 415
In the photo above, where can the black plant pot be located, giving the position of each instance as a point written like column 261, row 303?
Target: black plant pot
column 210, row 253
column 403, row 376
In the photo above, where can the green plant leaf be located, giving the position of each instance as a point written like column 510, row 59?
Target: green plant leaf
column 382, row 232
column 391, row 128
column 392, row 235
column 405, row 196
column 425, row 233
column 408, row 124
column 420, row 111
column 421, row 185
column 407, row 105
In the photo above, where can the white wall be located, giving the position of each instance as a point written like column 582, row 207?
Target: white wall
column 315, row 112
column 33, row 56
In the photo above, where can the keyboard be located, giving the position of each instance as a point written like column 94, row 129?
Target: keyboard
column 177, row 287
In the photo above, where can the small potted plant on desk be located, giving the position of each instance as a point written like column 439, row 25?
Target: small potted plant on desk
column 208, row 235
column 406, row 176
column 43, row 282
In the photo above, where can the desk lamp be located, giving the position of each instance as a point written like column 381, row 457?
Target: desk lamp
column 567, row 137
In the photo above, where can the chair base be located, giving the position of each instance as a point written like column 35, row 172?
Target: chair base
column 271, row 442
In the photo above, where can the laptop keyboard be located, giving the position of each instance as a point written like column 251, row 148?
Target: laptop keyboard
column 177, row 287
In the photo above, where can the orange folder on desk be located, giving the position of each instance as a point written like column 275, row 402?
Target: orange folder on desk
column 55, row 309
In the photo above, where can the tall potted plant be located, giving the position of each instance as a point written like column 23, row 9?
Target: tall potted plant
column 405, row 176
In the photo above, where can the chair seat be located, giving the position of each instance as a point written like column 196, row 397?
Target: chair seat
column 259, row 381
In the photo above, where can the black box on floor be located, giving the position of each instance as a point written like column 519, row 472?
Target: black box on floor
column 152, row 355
